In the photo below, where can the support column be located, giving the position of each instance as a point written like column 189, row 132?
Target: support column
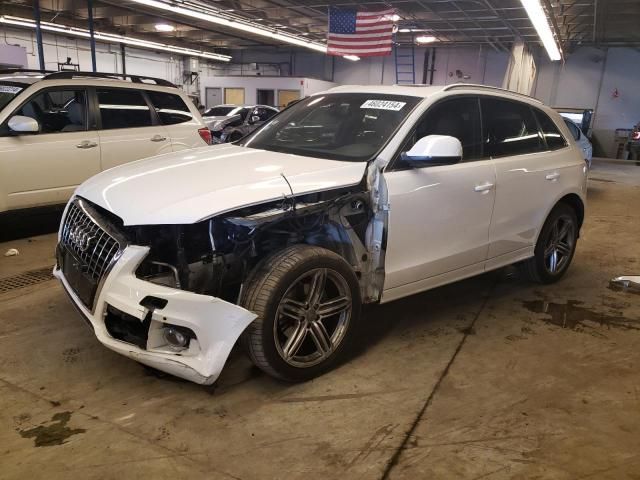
column 36, row 15
column 92, row 40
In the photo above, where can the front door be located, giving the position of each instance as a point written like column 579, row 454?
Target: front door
column 439, row 216
column 129, row 130
column 44, row 168
column 213, row 96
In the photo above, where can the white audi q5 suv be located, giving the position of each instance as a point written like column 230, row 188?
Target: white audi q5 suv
column 355, row 195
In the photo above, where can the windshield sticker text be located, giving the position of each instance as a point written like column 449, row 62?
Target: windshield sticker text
column 383, row 105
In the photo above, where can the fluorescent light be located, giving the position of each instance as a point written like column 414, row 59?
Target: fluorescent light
column 425, row 39
column 353, row 58
column 164, row 27
column 213, row 16
column 111, row 38
column 541, row 24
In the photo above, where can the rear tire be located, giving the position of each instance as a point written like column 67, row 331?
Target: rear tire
column 308, row 303
column 555, row 247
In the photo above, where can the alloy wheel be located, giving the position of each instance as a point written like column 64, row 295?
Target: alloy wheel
column 312, row 317
column 560, row 244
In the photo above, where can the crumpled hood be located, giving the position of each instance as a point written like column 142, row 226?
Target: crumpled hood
column 191, row 185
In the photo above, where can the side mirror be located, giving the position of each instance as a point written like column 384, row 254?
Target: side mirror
column 22, row 124
column 434, row 150
column 254, row 119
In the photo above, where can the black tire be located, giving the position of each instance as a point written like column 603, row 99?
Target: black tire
column 272, row 288
column 539, row 267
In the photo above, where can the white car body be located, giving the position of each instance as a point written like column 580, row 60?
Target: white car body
column 581, row 139
column 42, row 169
column 441, row 224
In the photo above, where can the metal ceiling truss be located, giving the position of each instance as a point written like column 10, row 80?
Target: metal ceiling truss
column 495, row 23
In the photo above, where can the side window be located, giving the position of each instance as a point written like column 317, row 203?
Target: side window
column 170, row 107
column 122, row 108
column 550, row 131
column 575, row 132
column 58, row 110
column 265, row 113
column 509, row 128
column 459, row 118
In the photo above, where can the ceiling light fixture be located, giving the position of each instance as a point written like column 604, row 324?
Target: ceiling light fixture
column 164, row 27
column 353, row 58
column 111, row 38
column 426, row 39
column 213, row 16
column 541, row 24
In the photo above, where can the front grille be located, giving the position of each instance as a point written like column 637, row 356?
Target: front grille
column 88, row 242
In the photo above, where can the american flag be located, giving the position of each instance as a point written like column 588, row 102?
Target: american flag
column 359, row 32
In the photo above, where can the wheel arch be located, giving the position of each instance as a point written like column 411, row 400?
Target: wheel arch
column 575, row 202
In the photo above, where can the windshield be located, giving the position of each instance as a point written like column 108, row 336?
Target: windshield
column 7, row 93
column 338, row 126
column 221, row 111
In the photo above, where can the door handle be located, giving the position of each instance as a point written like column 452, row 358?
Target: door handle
column 484, row 188
column 87, row 144
column 158, row 138
column 552, row 177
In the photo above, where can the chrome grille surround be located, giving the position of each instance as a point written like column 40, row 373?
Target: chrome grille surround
column 91, row 240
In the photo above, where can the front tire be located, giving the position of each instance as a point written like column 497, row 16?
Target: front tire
column 555, row 247
column 308, row 303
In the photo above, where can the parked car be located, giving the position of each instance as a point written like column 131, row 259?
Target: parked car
column 357, row 195
column 581, row 139
column 59, row 128
column 229, row 123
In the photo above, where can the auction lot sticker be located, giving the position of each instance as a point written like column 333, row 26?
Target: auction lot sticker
column 383, row 105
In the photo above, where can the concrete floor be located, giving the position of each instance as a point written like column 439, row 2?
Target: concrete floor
column 489, row 378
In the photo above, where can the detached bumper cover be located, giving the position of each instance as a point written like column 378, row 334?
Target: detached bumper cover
column 216, row 323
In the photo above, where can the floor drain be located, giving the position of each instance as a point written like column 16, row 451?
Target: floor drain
column 25, row 279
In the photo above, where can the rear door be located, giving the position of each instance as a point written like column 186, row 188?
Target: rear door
column 129, row 128
column 529, row 161
column 440, row 215
column 179, row 121
column 44, row 168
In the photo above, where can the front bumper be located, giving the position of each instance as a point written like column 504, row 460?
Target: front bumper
column 217, row 324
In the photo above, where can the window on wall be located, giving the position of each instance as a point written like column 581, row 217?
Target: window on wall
column 459, row 118
column 170, row 107
column 550, row 131
column 122, row 108
column 509, row 128
column 58, row 110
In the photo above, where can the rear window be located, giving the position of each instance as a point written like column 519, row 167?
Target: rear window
column 170, row 108
column 219, row 111
column 551, row 134
column 122, row 108
column 509, row 128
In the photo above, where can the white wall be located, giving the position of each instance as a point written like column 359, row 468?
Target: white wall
column 306, row 86
column 588, row 79
column 481, row 65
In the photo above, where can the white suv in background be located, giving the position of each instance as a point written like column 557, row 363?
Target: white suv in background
column 355, row 195
column 58, row 129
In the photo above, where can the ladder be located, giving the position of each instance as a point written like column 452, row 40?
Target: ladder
column 405, row 64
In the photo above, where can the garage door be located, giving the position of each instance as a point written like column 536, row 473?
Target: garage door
column 234, row 96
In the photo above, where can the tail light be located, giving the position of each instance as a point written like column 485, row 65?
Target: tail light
column 205, row 134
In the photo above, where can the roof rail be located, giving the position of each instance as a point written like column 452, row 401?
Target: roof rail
column 23, row 70
column 115, row 76
column 487, row 87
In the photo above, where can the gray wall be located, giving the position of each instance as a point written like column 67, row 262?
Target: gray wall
column 588, row 79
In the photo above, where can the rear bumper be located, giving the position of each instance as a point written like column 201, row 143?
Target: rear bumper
column 217, row 324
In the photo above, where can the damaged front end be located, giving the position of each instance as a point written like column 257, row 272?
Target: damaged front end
column 169, row 297
column 214, row 256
